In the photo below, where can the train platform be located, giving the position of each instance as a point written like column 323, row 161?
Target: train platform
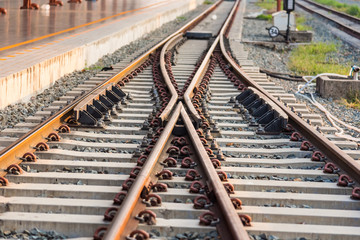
column 40, row 46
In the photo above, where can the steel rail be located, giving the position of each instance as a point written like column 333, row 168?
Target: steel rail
column 174, row 96
column 196, row 79
column 236, row 228
column 231, row 20
column 118, row 228
column 345, row 28
column 13, row 153
column 329, row 149
column 189, row 93
column 341, row 14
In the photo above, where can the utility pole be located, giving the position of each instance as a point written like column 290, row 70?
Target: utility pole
column 278, row 7
column 289, row 6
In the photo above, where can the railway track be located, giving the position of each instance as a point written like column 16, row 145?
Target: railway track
column 278, row 181
column 181, row 144
column 345, row 22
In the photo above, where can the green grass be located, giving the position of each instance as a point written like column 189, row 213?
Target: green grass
column 352, row 100
column 181, row 19
column 267, row 17
column 207, row 2
column 300, row 23
column 332, row 3
column 316, row 58
column 92, row 68
column 352, row 10
column 269, row 5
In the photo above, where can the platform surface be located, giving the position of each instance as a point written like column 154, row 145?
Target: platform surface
column 30, row 36
column 18, row 25
column 37, row 47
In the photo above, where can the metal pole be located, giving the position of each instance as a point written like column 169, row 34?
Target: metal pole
column 288, row 29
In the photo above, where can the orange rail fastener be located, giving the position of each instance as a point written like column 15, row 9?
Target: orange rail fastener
column 159, row 187
column 356, row 194
column 141, row 160
column 3, row 181
column 201, row 202
column 110, row 213
column 28, row 157
column 187, row 162
column 164, row 174
column 236, row 202
column 14, row 169
column 139, row 234
column 345, row 181
column 306, row 146
column 170, row 162
column 154, row 199
column 192, row 175
column 147, row 216
column 209, row 218
column 331, row 168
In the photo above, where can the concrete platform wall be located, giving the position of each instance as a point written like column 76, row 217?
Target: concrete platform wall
column 32, row 80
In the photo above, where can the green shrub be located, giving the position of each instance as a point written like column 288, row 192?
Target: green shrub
column 353, row 11
column 266, row 17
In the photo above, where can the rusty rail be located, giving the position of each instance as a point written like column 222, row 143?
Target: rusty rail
column 118, row 229
column 333, row 152
column 237, row 230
